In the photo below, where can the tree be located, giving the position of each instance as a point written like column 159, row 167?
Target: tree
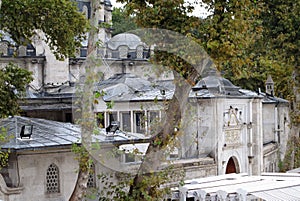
column 64, row 29
column 83, row 156
column 281, row 21
column 13, row 81
column 122, row 22
column 63, row 25
column 226, row 35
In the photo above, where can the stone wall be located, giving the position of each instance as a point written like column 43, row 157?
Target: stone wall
column 31, row 169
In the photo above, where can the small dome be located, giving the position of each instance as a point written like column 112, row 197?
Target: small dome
column 216, row 83
column 124, row 39
column 107, row 3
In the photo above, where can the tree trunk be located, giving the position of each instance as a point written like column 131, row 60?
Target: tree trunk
column 80, row 187
column 153, row 156
column 83, row 174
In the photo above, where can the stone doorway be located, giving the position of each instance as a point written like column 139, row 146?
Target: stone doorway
column 232, row 166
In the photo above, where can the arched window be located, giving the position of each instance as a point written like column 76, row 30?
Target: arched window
column 52, row 179
column 139, row 52
column 92, row 178
column 123, row 51
column 85, row 11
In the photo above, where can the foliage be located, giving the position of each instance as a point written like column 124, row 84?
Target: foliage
column 121, row 22
column 292, row 156
column 63, row 25
column 13, row 81
column 3, row 154
column 82, row 156
column 112, row 191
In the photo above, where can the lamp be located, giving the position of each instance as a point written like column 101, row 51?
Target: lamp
column 26, row 131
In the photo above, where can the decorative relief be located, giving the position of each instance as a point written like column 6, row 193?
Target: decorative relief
column 232, row 117
column 233, row 126
column 233, row 136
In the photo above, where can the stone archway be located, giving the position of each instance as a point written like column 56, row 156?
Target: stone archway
column 232, row 166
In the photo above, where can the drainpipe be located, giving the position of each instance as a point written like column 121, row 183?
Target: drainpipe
column 43, row 75
column 249, row 128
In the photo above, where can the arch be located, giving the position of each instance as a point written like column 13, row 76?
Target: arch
column 85, row 11
column 140, row 52
column 232, row 166
column 52, row 179
column 123, row 51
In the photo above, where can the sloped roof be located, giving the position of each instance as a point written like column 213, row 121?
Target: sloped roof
column 268, row 99
column 129, row 87
column 47, row 134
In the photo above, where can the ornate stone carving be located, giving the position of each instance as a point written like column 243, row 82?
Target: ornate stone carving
column 232, row 136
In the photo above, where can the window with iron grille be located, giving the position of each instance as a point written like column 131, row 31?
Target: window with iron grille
column 52, row 179
column 92, row 179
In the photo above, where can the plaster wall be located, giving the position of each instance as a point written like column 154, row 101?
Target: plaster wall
column 33, row 168
column 271, row 162
column 269, row 123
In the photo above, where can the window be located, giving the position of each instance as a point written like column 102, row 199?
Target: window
column 129, row 158
column 139, row 52
column 69, row 117
column 139, row 122
column 100, row 119
column 52, row 179
column 123, row 51
column 92, row 179
column 126, row 121
column 113, row 116
column 85, row 11
column 153, row 120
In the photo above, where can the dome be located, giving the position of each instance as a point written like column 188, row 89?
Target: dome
column 107, row 3
column 217, row 84
column 124, row 39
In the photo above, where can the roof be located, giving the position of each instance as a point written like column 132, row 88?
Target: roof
column 268, row 186
column 214, row 85
column 268, row 99
column 129, row 87
column 269, row 80
column 47, row 134
column 127, row 39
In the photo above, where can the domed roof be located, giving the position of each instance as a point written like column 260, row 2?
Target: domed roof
column 107, row 2
column 128, row 39
column 217, row 84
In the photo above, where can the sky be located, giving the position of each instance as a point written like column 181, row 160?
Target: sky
column 199, row 11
